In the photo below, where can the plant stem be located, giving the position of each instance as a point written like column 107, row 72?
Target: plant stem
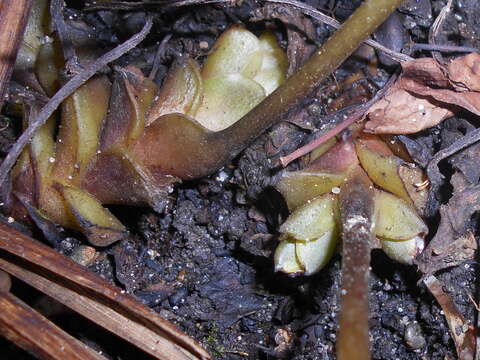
column 357, row 211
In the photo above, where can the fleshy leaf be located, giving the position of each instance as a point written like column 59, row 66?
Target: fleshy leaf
column 286, row 258
column 226, row 99
column 131, row 96
column 181, row 92
column 312, row 220
column 315, row 254
column 273, row 70
column 47, row 67
column 322, row 175
column 403, row 251
column 235, row 52
column 395, row 219
column 381, row 165
column 96, row 222
column 115, row 177
column 35, row 31
column 82, row 117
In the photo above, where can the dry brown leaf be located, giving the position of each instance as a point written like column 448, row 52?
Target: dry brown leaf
column 463, row 334
column 454, row 242
column 466, row 70
column 400, row 112
column 426, row 94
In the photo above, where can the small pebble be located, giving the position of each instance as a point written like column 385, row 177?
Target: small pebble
column 84, row 255
column 413, row 336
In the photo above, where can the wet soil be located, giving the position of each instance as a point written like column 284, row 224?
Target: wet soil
column 206, row 262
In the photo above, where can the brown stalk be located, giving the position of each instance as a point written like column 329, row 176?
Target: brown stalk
column 13, row 20
column 93, row 297
column 357, row 210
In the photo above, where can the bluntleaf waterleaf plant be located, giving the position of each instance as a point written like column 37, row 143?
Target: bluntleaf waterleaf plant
column 311, row 195
column 152, row 139
column 120, row 143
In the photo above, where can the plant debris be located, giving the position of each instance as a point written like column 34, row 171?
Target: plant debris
column 425, row 94
column 202, row 258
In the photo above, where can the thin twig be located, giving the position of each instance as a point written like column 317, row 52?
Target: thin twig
column 318, row 15
column 69, row 88
column 71, row 59
column 435, row 29
column 355, row 116
column 158, row 56
column 443, row 48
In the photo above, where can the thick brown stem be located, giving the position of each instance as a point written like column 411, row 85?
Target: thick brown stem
column 357, row 209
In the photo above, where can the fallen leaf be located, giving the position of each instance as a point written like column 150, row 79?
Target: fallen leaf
column 400, row 112
column 466, row 70
column 454, row 242
column 426, row 94
column 463, row 335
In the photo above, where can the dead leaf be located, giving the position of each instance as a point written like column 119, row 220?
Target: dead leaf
column 400, row 112
column 462, row 334
column 425, row 94
column 466, row 70
column 453, row 243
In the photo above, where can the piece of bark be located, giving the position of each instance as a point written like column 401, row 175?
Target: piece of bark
column 37, row 335
column 13, row 20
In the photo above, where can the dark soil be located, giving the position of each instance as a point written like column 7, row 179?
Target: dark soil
column 206, row 262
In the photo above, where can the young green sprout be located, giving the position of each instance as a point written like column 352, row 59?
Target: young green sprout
column 311, row 195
